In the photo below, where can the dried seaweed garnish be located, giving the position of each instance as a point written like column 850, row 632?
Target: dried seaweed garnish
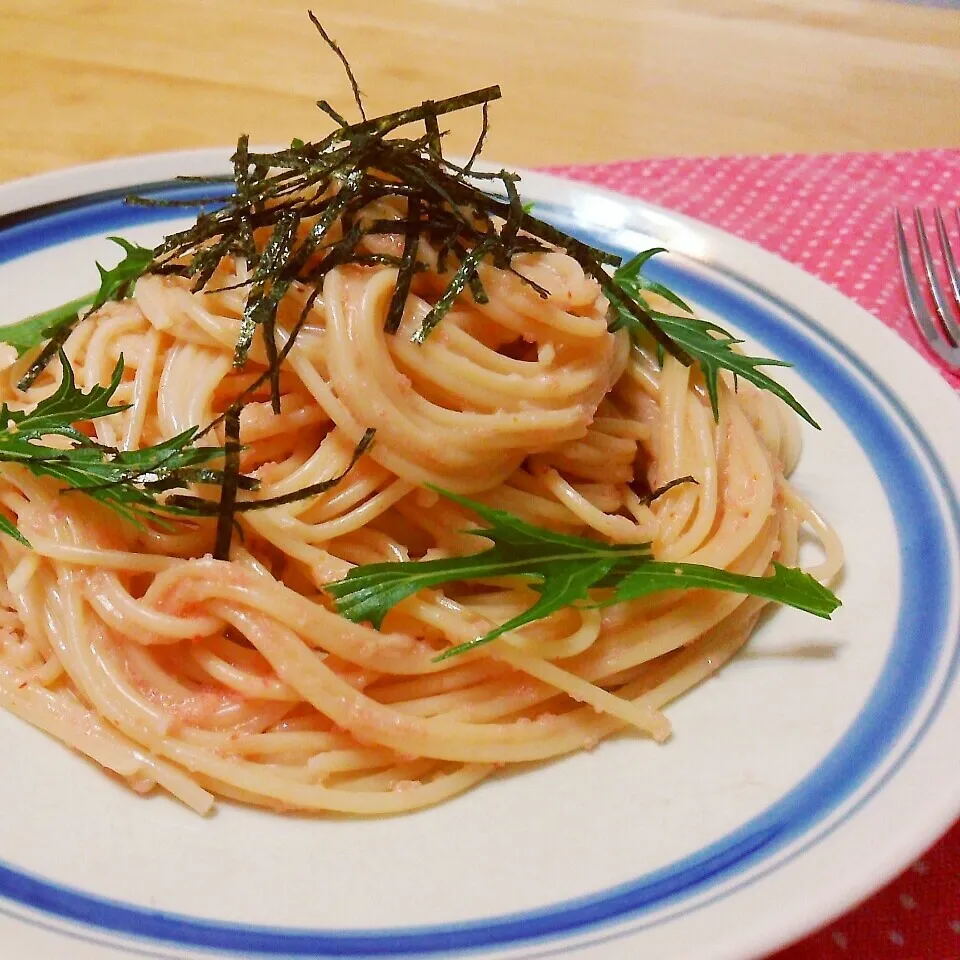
column 381, row 126
column 481, row 139
column 512, row 226
column 327, row 185
column 433, row 134
column 408, row 263
column 331, row 43
column 226, row 508
column 334, row 178
column 325, row 106
column 264, row 298
column 465, row 272
column 647, row 499
column 198, row 505
column 477, row 290
column 296, row 213
column 52, row 347
column 329, row 263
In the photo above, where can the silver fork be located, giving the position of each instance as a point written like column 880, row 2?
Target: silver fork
column 943, row 338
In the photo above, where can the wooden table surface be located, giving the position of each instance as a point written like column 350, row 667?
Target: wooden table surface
column 583, row 80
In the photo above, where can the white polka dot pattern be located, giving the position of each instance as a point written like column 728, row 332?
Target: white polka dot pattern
column 832, row 215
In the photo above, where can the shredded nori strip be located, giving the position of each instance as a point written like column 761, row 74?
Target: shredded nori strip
column 408, row 264
column 49, row 351
column 261, row 306
column 297, row 213
column 324, row 105
column 433, row 133
column 466, row 270
column 481, row 140
column 512, row 227
column 380, row 126
column 669, row 485
column 331, row 43
column 228, row 488
column 616, row 296
column 332, row 181
column 198, row 505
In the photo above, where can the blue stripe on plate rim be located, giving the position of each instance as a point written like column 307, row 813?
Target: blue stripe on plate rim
column 917, row 673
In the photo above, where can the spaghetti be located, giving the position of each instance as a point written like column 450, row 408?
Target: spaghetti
column 239, row 679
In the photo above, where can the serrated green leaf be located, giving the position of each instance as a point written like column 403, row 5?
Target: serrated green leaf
column 569, row 581
column 117, row 282
column 129, row 482
column 711, row 346
column 30, row 332
column 114, row 285
column 786, row 585
column 8, row 527
column 707, row 343
column 65, row 407
column 562, row 569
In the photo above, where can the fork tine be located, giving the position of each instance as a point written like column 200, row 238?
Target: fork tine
column 918, row 306
column 939, row 297
column 953, row 326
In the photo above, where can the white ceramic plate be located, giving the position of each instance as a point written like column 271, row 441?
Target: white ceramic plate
column 812, row 770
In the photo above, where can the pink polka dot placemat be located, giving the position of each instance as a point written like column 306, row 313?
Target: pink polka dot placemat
column 832, row 215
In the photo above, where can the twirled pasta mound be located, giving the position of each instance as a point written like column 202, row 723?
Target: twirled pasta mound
column 238, row 678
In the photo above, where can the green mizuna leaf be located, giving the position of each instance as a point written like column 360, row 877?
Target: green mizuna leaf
column 130, row 482
column 705, row 342
column 786, row 585
column 30, row 332
column 115, row 284
column 62, row 410
column 8, row 527
column 563, row 570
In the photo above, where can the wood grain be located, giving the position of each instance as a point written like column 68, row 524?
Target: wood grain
column 583, row 80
